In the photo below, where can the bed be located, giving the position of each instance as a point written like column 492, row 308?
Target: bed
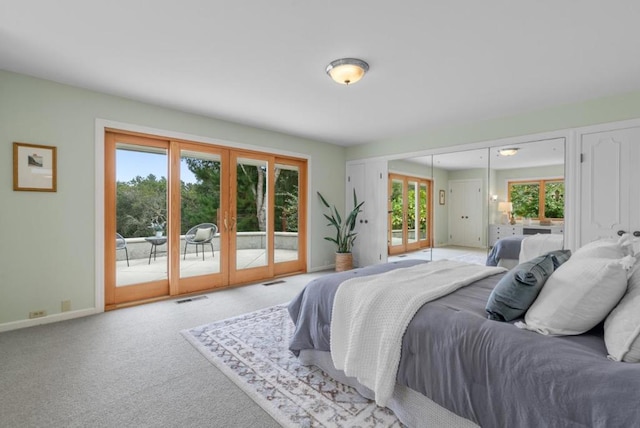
column 508, row 252
column 505, row 252
column 459, row 369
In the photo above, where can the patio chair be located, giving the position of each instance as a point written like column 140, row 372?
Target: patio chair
column 121, row 244
column 200, row 235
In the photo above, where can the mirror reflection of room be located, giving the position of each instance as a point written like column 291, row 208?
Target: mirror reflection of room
column 527, row 196
column 459, row 209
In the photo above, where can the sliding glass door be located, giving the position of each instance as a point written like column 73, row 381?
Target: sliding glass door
column 136, row 224
column 187, row 217
column 409, row 219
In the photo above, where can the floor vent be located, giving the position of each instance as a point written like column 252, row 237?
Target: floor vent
column 191, row 299
column 280, row 281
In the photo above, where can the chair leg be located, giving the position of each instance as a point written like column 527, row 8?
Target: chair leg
column 185, row 250
column 202, row 252
column 126, row 252
column 212, row 253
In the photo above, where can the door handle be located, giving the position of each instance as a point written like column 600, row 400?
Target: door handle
column 226, row 224
column 636, row 234
column 622, row 232
column 233, row 223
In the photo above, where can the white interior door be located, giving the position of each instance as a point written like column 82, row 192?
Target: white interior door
column 609, row 178
column 369, row 181
column 465, row 213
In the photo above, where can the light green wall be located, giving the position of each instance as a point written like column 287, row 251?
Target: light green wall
column 602, row 110
column 409, row 168
column 440, row 212
column 48, row 247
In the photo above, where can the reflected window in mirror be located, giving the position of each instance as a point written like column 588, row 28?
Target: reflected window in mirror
column 537, row 199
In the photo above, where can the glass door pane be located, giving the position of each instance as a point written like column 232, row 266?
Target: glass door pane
column 251, row 217
column 286, row 218
column 423, row 212
column 200, row 213
column 141, row 214
column 396, row 239
column 413, row 211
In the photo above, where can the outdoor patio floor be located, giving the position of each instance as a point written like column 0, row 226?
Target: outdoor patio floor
column 141, row 270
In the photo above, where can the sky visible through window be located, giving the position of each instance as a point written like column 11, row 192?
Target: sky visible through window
column 130, row 164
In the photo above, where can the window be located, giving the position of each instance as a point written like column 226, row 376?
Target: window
column 537, row 199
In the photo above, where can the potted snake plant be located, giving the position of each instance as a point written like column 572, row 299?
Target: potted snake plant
column 345, row 231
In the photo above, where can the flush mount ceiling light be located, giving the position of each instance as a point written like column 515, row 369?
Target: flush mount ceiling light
column 347, row 70
column 508, row 152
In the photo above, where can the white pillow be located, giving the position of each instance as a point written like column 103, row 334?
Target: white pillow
column 578, row 295
column 202, row 234
column 608, row 248
column 622, row 326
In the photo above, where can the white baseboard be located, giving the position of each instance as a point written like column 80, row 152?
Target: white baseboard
column 15, row 325
column 320, row 268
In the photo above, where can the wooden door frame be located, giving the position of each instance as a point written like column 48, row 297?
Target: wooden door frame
column 206, row 282
column 114, row 295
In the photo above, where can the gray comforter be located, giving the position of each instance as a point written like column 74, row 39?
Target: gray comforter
column 505, row 248
column 487, row 371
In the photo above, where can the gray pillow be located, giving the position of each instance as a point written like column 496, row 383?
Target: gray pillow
column 518, row 289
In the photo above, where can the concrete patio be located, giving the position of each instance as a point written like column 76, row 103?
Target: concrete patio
column 143, row 268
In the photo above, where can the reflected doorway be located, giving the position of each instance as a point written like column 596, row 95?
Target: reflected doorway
column 409, row 213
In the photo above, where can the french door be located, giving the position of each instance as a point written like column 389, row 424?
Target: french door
column 409, row 223
column 190, row 217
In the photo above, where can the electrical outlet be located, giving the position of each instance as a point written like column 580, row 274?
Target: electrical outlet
column 66, row 305
column 38, row 314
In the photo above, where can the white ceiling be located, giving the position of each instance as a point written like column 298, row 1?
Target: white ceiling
column 433, row 63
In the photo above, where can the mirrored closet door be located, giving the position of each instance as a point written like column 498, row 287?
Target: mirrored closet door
column 461, row 209
column 527, row 189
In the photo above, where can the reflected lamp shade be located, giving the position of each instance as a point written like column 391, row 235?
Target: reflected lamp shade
column 347, row 71
column 505, row 207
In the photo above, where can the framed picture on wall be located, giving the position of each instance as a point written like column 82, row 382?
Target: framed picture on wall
column 441, row 197
column 34, row 167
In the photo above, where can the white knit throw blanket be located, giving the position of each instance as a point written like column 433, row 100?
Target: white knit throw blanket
column 371, row 314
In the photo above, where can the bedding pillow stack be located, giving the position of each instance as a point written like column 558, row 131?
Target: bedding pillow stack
column 518, row 289
column 583, row 291
column 622, row 326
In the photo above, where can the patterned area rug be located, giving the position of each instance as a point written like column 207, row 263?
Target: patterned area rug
column 252, row 350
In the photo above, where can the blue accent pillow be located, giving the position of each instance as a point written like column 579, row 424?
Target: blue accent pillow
column 518, row 289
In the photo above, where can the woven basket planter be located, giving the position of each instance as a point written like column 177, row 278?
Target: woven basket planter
column 344, row 261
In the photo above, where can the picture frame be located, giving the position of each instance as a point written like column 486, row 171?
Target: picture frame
column 442, row 196
column 34, row 168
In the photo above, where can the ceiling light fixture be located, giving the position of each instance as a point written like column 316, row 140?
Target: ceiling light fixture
column 347, row 70
column 508, row 152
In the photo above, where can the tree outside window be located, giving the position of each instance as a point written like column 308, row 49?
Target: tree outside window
column 537, row 199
